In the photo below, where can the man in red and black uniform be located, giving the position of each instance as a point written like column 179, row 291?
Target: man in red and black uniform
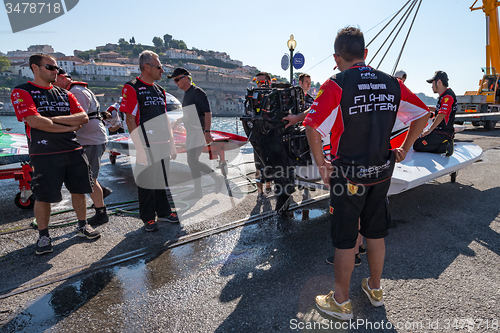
column 358, row 108
column 144, row 103
column 52, row 115
column 439, row 137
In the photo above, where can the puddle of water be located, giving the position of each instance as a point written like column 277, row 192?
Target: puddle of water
column 313, row 213
column 252, row 247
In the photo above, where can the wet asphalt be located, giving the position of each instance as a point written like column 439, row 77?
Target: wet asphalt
column 209, row 274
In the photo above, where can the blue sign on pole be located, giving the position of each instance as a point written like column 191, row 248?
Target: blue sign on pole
column 285, row 62
column 298, row 60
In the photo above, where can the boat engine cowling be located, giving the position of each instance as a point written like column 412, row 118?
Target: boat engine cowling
column 280, row 149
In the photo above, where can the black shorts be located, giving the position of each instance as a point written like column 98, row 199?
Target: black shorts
column 350, row 203
column 51, row 171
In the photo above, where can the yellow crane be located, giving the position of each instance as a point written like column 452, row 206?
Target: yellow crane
column 489, row 8
column 481, row 107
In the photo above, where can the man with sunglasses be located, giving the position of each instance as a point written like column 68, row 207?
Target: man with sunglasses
column 92, row 136
column 144, row 105
column 52, row 115
column 197, row 119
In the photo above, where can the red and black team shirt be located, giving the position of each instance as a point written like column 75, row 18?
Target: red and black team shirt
column 144, row 101
column 357, row 108
column 447, row 104
column 31, row 100
column 147, row 102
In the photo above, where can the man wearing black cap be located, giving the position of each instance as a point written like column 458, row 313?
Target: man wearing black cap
column 439, row 137
column 92, row 137
column 197, row 119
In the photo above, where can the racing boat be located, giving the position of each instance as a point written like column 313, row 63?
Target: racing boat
column 288, row 160
column 13, row 147
column 222, row 141
column 14, row 158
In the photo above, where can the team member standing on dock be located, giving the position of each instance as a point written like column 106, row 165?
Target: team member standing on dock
column 144, row 103
column 362, row 162
column 92, row 136
column 197, row 119
column 52, row 115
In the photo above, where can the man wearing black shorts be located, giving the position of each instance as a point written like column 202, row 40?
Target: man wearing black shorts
column 358, row 108
column 439, row 137
column 52, row 115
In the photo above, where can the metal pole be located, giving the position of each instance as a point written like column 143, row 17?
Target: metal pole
column 291, row 67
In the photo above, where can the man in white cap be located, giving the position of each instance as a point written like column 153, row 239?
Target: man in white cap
column 401, row 75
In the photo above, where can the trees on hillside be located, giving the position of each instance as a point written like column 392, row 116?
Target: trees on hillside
column 158, row 42
column 166, row 39
column 122, row 42
column 4, row 63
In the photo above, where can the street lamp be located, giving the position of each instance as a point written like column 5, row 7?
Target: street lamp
column 291, row 43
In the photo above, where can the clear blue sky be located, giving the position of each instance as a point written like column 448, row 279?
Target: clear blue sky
column 446, row 35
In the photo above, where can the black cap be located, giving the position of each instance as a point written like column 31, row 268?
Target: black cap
column 179, row 71
column 63, row 72
column 439, row 75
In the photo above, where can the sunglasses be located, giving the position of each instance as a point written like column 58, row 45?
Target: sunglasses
column 49, row 67
column 159, row 67
column 177, row 79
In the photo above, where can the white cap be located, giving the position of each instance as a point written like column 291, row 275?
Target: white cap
column 400, row 74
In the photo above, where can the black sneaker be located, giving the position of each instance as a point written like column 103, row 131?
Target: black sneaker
column 362, row 249
column 88, row 232
column 150, row 225
column 99, row 218
column 330, row 260
column 172, row 218
column 106, row 191
column 357, row 260
column 43, row 245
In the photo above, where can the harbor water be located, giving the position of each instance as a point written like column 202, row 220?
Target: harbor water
column 224, row 124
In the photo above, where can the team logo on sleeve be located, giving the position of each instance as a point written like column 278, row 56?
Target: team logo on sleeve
column 446, row 99
column 320, row 92
column 331, row 210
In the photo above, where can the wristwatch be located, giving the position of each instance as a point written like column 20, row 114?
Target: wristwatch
column 206, row 131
